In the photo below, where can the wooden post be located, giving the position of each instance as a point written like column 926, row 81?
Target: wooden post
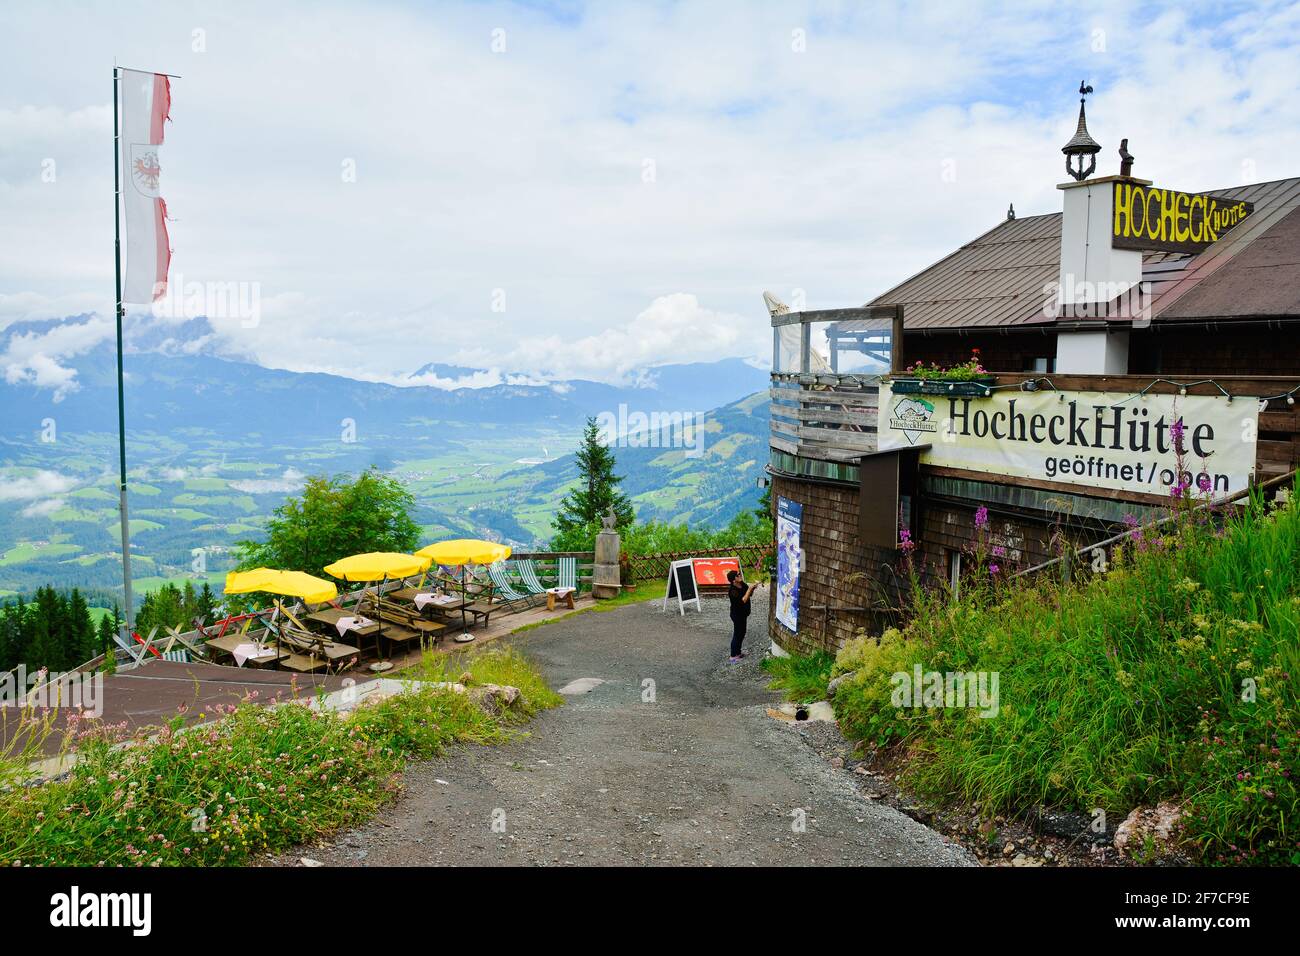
column 896, row 341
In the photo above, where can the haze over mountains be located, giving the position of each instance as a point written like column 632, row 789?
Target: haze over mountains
column 168, row 369
column 214, row 444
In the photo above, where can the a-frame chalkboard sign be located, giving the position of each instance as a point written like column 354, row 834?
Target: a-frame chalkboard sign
column 681, row 585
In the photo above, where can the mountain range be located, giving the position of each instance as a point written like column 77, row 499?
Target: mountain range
column 215, row 444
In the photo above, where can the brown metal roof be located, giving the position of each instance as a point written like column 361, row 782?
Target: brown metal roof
column 999, row 278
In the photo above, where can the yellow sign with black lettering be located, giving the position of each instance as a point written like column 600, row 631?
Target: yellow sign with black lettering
column 1166, row 220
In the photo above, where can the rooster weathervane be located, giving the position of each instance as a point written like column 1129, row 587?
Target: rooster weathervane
column 1081, row 145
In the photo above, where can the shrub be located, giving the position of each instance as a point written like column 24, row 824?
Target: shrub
column 801, row 677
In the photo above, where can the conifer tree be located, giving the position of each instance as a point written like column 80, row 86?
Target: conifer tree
column 582, row 509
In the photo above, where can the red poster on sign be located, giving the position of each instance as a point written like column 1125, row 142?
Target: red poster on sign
column 714, row 570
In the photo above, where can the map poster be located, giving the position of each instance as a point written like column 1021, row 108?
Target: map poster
column 789, row 519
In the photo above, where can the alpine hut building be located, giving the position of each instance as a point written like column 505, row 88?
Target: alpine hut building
column 1100, row 326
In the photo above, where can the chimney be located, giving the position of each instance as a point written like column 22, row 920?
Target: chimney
column 1093, row 275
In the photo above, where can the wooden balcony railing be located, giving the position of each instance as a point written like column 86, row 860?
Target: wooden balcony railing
column 824, row 416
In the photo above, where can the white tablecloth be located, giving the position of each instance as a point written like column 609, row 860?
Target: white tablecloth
column 345, row 624
column 250, row 652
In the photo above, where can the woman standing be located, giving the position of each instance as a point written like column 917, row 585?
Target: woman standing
column 739, row 593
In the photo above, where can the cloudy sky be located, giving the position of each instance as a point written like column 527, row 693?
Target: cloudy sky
column 580, row 190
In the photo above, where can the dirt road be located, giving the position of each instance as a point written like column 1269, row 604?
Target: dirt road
column 672, row 760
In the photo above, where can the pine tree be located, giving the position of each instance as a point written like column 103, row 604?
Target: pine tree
column 581, row 510
column 206, row 604
column 14, row 633
column 48, row 625
column 79, row 640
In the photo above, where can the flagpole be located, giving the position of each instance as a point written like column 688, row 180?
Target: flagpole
column 121, row 402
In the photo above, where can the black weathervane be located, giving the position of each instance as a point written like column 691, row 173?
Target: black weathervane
column 1081, row 145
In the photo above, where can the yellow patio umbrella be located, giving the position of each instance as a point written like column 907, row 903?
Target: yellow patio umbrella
column 296, row 584
column 377, row 566
column 287, row 583
column 461, row 551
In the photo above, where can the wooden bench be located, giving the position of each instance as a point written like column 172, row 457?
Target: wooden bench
column 400, row 622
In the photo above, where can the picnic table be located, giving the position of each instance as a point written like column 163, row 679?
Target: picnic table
column 239, row 647
column 445, row 608
column 330, row 616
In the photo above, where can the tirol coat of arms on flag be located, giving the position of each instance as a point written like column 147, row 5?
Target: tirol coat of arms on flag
column 145, row 168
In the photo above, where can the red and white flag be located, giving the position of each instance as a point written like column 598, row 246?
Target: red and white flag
column 146, row 100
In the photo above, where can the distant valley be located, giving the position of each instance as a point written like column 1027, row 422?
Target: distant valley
column 215, row 445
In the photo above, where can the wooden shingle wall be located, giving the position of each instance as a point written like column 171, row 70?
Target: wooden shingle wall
column 840, row 572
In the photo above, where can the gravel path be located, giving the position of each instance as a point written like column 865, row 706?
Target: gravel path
column 685, row 770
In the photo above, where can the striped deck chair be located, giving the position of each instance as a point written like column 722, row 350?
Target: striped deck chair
column 568, row 572
column 512, row 599
column 528, row 575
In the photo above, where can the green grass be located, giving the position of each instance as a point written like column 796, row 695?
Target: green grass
column 250, row 780
column 802, row 678
column 1175, row 675
column 205, row 484
column 138, row 526
column 181, row 514
column 28, row 551
column 94, row 494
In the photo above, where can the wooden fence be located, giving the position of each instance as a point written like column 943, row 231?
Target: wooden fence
column 651, row 567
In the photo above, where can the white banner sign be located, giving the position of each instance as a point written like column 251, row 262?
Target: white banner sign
column 146, row 108
column 1124, row 442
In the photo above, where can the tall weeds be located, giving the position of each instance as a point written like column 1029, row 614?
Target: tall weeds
column 1175, row 674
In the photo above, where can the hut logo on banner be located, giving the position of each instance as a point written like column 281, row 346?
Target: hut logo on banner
column 789, row 556
column 914, row 417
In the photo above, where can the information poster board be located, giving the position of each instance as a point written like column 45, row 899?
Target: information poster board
column 681, row 585
column 789, row 556
column 712, row 572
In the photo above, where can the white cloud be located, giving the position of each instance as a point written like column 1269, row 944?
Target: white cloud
column 290, row 481
column 42, row 509
column 674, row 328
column 23, row 484
column 517, row 180
column 36, row 358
